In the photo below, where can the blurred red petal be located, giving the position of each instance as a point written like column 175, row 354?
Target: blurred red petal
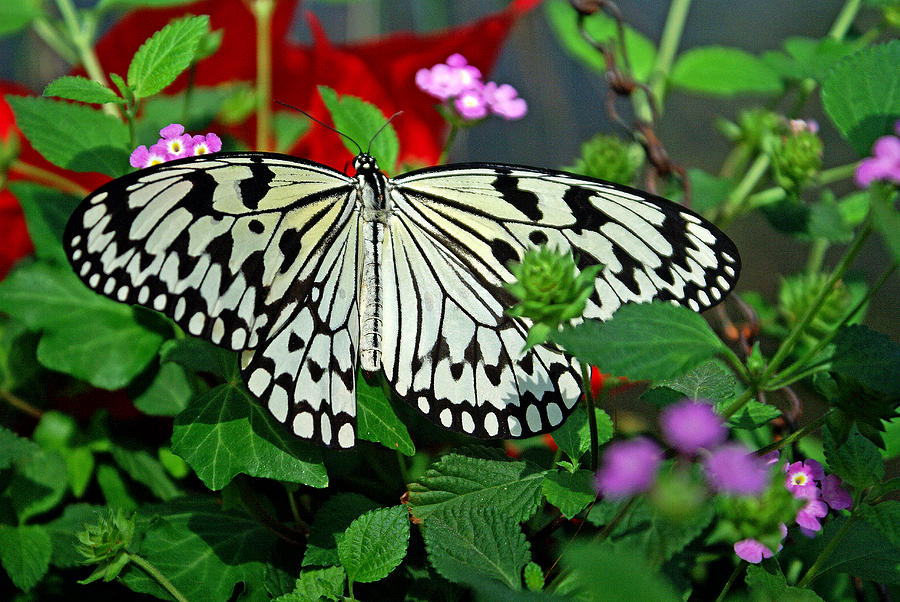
column 13, row 234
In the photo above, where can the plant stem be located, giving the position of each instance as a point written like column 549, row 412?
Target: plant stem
column 816, row 256
column 592, row 416
column 734, row 575
column 262, row 13
column 844, row 19
column 51, row 36
column 48, row 177
column 734, row 205
column 788, row 344
column 451, row 136
column 814, row 569
column 798, row 434
column 738, row 403
column 665, row 56
column 157, row 575
column 21, row 404
column 823, row 178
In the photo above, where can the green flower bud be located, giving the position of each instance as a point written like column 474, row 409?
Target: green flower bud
column 754, row 127
column 534, row 577
column 608, row 158
column 796, row 159
column 550, row 290
column 798, row 292
column 104, row 540
column 759, row 518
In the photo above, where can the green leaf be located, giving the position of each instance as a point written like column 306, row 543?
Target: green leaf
column 374, row 544
column 884, row 517
column 885, row 218
column 869, row 357
column 73, row 136
column 145, row 469
column 377, row 422
column 710, row 380
column 330, row 522
column 204, row 551
column 289, row 127
column 472, row 543
column 862, row 95
column 224, row 432
column 18, row 15
column 37, row 484
column 63, row 532
column 857, row 461
column 13, row 448
column 167, row 394
column 25, row 554
column 723, row 71
column 772, row 587
column 602, row 571
column 808, row 57
column 315, row 584
column 707, row 191
column 84, row 334
column 864, row 551
column 104, row 5
column 360, row 120
column 490, row 480
column 753, row 415
column 647, row 341
column 574, row 436
column 570, row 492
column 76, row 87
column 165, row 55
column 602, row 28
column 198, row 355
column 114, row 489
column 46, row 213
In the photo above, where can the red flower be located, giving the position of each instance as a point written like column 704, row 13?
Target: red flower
column 607, row 382
column 381, row 71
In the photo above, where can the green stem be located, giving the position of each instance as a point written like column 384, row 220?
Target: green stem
column 798, row 434
column 49, row 178
column 814, row 569
column 735, row 362
column 823, row 178
column 451, row 136
column 816, row 256
column 738, row 403
column 734, row 205
column 51, row 36
column 734, row 575
column 262, row 13
column 591, row 417
column 158, row 576
column 665, row 57
column 21, row 404
column 788, row 344
column 844, row 19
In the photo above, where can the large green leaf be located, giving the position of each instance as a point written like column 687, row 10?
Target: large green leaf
column 224, row 432
column 25, row 554
column 772, row 587
column 376, row 420
column 73, row 136
column 857, row 461
column 359, row 121
column 723, row 71
column 862, row 95
column 374, row 544
column 144, row 468
column 574, row 436
column 17, row 14
column 492, row 479
column 646, row 341
column 84, row 334
column 807, row 57
column 46, row 213
column 329, row 524
column 13, row 447
column 603, row 571
column 865, row 551
column 568, row 491
column 167, row 394
column 316, row 584
column 36, row 485
column 165, row 55
column 869, row 357
column 64, row 529
column 76, row 87
column 886, row 518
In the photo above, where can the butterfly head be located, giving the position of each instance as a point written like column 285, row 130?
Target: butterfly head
column 364, row 162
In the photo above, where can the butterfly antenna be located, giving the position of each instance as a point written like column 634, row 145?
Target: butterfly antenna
column 381, row 129
column 322, row 123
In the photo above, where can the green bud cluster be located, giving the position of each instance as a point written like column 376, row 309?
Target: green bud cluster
column 754, row 127
column 760, row 518
column 798, row 292
column 550, row 289
column 608, row 158
column 106, row 543
column 796, row 158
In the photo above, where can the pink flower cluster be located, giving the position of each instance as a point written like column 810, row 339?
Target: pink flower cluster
column 460, row 83
column 174, row 144
column 884, row 164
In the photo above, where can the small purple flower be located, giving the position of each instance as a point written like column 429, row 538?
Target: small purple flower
column 834, row 494
column 629, row 467
column 203, row 145
column 504, row 101
column 884, row 163
column 802, row 477
column 771, row 457
column 177, row 143
column 691, row 425
column 445, row 81
column 145, row 157
column 732, row 469
column 751, row 550
column 471, row 104
column 808, row 516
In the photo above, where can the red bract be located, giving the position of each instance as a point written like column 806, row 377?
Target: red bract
column 381, row 71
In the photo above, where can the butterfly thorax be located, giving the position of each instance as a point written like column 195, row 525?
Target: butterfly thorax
column 374, row 200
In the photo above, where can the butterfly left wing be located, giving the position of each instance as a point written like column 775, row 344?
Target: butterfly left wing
column 466, row 223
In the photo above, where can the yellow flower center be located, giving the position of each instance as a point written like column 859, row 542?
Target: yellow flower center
column 800, row 479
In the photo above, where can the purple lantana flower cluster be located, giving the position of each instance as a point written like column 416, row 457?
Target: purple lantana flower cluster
column 884, row 164
column 174, row 144
column 459, row 84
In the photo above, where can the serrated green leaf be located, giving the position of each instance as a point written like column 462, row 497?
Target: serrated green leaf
column 603, row 571
column 18, row 15
column 472, row 543
column 114, row 489
column 224, row 432
column 73, row 136
column 165, row 55
column 316, row 584
column 167, row 394
column 25, row 554
column 574, row 436
column 84, row 334
column 808, row 57
column 374, row 544
column 198, row 355
column 772, row 587
column 289, row 127
column 646, row 341
column 723, row 71
column 570, row 492
column 330, row 522
column 63, row 532
column 360, row 120
column 753, row 415
column 857, row 461
column 377, row 422
column 13, row 447
column 46, row 213
column 869, row 357
column 76, row 87
column 861, row 95
column 864, row 551
column 37, row 484
column 204, row 551
column 884, row 517
column 710, row 380
column 492, row 480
